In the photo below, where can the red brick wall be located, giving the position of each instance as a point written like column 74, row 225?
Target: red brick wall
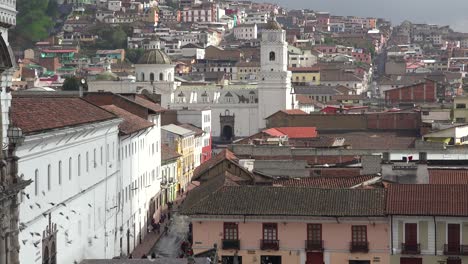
column 51, row 64
column 422, row 92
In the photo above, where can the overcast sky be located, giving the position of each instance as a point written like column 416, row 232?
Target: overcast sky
column 445, row 12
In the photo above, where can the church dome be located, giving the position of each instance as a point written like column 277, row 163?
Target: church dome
column 273, row 25
column 154, row 56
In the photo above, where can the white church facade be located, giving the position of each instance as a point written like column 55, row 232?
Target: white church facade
column 238, row 110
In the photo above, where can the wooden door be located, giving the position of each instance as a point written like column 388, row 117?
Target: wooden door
column 411, row 234
column 453, row 236
column 411, row 261
column 314, row 258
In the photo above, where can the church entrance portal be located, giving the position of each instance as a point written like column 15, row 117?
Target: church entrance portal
column 227, row 126
column 227, row 133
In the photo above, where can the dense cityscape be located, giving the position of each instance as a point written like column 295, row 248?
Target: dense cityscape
column 233, row 132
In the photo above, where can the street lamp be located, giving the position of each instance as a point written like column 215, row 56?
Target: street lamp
column 15, row 135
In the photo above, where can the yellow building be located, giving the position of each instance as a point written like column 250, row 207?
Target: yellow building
column 248, row 71
column 183, row 140
column 305, row 75
column 460, row 110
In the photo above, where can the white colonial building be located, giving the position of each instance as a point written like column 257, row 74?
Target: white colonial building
column 70, row 152
column 246, row 31
column 96, row 172
column 237, row 110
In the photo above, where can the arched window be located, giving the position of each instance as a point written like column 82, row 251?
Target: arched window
column 151, row 76
column 161, row 76
column 142, row 77
column 272, row 56
column 36, row 182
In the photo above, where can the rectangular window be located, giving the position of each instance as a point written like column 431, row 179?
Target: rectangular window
column 270, row 231
column 36, row 182
column 359, row 233
column 60, row 172
column 411, row 234
column 314, row 232
column 48, row 177
column 101, row 155
column 70, row 168
column 79, row 165
column 231, row 231
column 87, row 161
column 94, row 158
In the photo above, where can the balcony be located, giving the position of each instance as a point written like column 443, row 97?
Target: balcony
column 410, row 248
column 314, row 245
column 269, row 244
column 231, row 244
column 455, row 249
column 359, row 246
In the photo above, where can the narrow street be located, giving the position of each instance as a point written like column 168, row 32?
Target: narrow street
column 169, row 244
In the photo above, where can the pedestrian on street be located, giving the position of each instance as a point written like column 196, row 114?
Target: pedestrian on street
column 144, row 256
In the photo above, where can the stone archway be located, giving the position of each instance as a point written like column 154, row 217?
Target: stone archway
column 227, row 122
column 5, row 56
column 227, row 133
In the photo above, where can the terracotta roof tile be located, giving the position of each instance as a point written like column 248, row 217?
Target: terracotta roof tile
column 428, row 199
column 448, row 176
column 168, row 153
column 324, row 182
column 294, row 112
column 303, row 99
column 38, row 113
column 220, row 157
column 139, row 99
column 298, row 132
column 132, row 123
column 286, row 201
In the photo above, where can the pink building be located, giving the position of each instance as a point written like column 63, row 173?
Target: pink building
column 269, row 224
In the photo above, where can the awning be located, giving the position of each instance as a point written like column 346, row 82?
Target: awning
column 438, row 139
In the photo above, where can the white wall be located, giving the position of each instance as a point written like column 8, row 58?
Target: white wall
column 88, row 192
column 140, row 165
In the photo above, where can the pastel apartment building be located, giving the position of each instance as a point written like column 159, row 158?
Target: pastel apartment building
column 429, row 222
column 266, row 224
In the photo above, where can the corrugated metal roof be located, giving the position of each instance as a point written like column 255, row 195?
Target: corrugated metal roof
column 175, row 129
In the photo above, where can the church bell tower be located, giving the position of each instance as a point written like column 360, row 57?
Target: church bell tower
column 274, row 88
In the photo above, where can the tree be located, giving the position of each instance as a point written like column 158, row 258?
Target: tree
column 134, row 55
column 71, row 84
column 34, row 21
column 110, row 37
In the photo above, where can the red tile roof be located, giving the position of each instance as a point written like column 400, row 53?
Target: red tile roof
column 168, row 153
column 38, row 113
column 132, row 123
column 448, row 176
column 428, row 199
column 141, row 100
column 298, row 132
column 303, row 99
column 220, row 157
column 324, row 182
column 294, row 112
column 292, row 132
